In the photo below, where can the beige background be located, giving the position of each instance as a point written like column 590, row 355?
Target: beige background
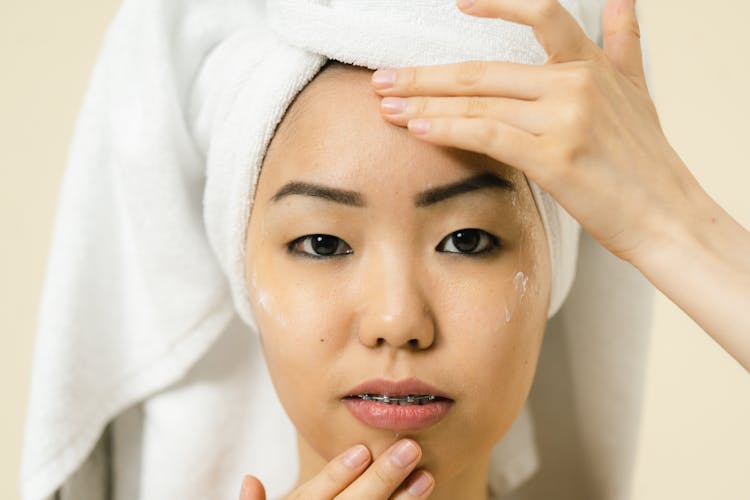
column 695, row 442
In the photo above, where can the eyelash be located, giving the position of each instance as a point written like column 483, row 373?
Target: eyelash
column 291, row 247
column 492, row 247
column 491, row 243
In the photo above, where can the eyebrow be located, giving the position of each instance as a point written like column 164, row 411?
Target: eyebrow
column 473, row 183
column 424, row 199
column 337, row 195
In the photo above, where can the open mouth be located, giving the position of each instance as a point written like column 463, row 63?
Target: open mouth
column 406, row 400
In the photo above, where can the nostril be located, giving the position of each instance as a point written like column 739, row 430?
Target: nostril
column 414, row 342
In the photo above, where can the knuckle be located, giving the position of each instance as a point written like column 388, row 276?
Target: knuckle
column 331, row 473
column 583, row 80
column 575, row 116
column 383, row 476
column 489, row 133
column 421, row 106
column 544, row 10
column 476, row 106
column 410, row 78
column 630, row 27
column 635, row 28
column 568, row 156
column 470, row 73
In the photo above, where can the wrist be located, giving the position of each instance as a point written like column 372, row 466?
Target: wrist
column 703, row 266
column 693, row 242
column 686, row 219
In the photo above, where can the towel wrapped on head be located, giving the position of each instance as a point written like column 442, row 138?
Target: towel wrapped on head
column 227, row 111
column 146, row 271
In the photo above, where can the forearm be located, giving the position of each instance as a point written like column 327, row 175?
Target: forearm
column 702, row 264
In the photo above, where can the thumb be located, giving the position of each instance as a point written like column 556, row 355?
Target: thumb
column 252, row 489
column 622, row 39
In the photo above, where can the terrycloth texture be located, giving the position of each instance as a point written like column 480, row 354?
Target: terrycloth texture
column 415, row 33
column 145, row 273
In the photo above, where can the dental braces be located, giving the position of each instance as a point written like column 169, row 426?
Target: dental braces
column 408, row 399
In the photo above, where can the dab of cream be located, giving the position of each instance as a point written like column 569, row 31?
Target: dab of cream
column 520, row 280
column 519, row 283
column 265, row 301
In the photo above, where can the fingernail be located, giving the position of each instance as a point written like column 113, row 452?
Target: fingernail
column 465, row 4
column 393, row 104
column 355, row 457
column 419, row 125
column 420, row 486
column 384, row 78
column 404, row 454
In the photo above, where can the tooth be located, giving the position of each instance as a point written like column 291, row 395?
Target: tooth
column 409, row 399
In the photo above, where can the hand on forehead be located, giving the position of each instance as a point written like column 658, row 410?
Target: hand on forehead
column 336, row 116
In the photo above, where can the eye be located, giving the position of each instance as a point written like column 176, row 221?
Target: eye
column 319, row 246
column 469, row 241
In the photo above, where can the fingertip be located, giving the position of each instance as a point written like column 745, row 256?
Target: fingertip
column 356, row 457
column 416, row 445
column 252, row 489
column 420, row 484
column 419, row 126
column 413, row 441
column 465, row 4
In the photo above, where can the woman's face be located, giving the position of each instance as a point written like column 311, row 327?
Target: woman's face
column 395, row 278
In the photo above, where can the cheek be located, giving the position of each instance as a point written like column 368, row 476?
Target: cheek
column 500, row 327
column 301, row 321
column 299, row 311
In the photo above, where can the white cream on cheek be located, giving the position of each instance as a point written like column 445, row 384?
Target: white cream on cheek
column 520, row 281
column 265, row 301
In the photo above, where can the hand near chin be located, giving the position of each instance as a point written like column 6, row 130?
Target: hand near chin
column 352, row 475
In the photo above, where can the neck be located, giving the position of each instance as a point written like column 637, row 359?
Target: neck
column 470, row 482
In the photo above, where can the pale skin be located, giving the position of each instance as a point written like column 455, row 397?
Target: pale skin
column 584, row 128
column 400, row 301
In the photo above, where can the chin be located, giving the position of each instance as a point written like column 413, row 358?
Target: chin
column 445, row 452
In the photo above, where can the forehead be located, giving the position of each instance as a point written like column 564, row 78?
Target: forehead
column 333, row 131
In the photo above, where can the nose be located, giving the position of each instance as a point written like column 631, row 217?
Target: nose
column 396, row 311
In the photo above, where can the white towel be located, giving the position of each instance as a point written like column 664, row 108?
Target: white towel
column 145, row 278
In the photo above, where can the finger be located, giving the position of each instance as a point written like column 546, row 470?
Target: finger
column 622, row 39
column 337, row 474
column 252, row 489
column 557, row 30
column 519, row 113
column 418, row 485
column 386, row 473
column 505, row 143
column 482, row 78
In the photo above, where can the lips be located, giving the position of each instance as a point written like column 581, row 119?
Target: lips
column 379, row 411
column 411, row 386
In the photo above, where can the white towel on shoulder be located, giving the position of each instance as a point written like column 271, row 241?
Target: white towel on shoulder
column 143, row 329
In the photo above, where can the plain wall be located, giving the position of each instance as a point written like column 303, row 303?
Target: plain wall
column 695, row 441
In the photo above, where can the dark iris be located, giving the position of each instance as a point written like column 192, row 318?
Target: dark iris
column 466, row 240
column 470, row 242
column 324, row 244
